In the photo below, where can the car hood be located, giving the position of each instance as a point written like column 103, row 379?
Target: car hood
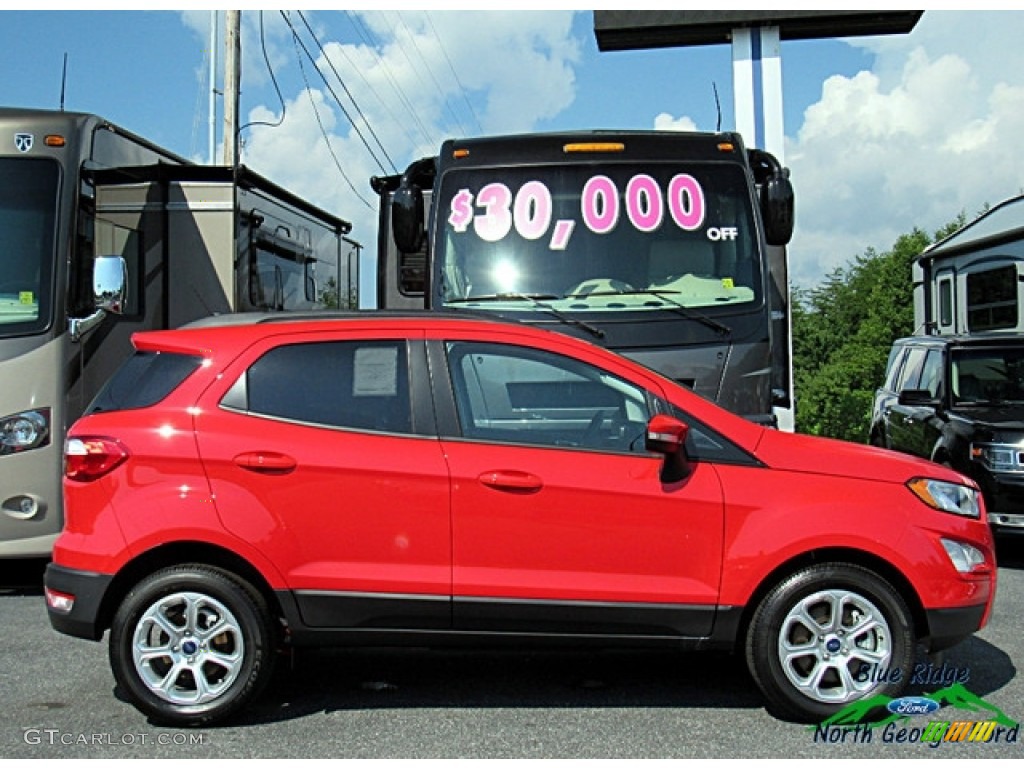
column 824, row 456
column 997, row 417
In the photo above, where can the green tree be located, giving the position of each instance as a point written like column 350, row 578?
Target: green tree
column 842, row 332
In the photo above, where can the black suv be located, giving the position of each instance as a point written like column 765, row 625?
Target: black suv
column 959, row 401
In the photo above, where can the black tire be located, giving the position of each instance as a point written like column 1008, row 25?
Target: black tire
column 808, row 665
column 208, row 640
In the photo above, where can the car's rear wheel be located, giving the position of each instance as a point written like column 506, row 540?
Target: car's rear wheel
column 827, row 636
column 191, row 644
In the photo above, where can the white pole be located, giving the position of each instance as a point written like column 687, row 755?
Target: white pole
column 743, row 90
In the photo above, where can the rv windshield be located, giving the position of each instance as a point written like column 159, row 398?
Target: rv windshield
column 619, row 237
column 28, row 212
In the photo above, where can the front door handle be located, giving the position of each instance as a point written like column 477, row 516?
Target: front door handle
column 511, row 480
column 266, row 462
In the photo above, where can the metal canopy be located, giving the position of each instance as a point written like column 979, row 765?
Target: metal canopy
column 630, row 30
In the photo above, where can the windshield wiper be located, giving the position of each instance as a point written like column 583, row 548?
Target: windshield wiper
column 675, row 306
column 536, row 300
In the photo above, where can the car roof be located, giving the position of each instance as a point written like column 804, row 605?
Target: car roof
column 229, row 333
column 977, row 340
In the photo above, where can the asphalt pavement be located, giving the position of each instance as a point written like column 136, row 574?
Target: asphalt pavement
column 59, row 700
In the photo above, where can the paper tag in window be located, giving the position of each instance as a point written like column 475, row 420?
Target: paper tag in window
column 727, row 283
column 376, row 372
column 26, row 297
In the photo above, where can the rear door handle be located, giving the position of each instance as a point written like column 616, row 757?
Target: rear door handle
column 511, row 480
column 266, row 462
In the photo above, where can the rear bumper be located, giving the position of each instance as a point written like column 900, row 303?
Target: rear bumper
column 88, row 589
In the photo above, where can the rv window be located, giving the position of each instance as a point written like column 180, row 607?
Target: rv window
column 992, row 299
column 946, row 303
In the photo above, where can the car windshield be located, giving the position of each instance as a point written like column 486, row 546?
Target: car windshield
column 988, row 375
column 619, row 238
column 28, row 209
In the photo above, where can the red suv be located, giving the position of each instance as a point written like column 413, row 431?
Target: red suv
column 238, row 488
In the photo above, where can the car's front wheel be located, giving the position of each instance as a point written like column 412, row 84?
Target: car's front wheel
column 827, row 636
column 191, row 644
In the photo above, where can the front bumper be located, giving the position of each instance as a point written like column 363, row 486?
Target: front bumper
column 85, row 619
column 1004, row 500
column 949, row 626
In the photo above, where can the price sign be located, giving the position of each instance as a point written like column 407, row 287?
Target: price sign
column 495, row 211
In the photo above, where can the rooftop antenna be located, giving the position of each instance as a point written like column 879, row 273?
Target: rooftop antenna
column 63, row 80
column 718, row 107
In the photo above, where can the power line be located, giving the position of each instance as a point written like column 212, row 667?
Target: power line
column 347, row 91
column 273, row 79
column 358, row 70
column 323, row 131
column 455, row 74
column 372, row 45
column 426, row 66
column 344, row 111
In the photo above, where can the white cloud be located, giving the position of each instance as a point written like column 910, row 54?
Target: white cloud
column 928, row 133
column 416, row 79
column 665, row 122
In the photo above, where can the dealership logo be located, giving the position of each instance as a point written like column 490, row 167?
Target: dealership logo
column 913, row 720
column 23, row 141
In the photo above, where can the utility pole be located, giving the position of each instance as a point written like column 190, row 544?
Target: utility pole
column 212, row 132
column 232, row 76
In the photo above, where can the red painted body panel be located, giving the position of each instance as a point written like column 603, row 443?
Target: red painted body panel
column 361, row 513
column 352, row 512
column 601, row 526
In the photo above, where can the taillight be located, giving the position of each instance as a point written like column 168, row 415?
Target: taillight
column 90, row 458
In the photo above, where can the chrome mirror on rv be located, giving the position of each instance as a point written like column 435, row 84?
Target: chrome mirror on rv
column 109, row 290
column 110, row 283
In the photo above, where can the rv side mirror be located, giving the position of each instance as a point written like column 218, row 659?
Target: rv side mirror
column 407, row 217
column 109, row 292
column 110, row 283
column 777, row 208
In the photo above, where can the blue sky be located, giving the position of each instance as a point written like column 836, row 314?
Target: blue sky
column 882, row 134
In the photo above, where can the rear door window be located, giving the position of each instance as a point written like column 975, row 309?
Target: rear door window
column 350, row 384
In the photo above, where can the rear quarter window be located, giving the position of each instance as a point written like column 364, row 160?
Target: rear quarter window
column 143, row 380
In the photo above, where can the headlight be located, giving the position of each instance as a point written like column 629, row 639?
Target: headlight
column 946, row 497
column 24, row 431
column 964, row 557
column 998, row 457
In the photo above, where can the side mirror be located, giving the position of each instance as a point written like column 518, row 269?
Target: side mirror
column 777, row 207
column 667, row 435
column 775, row 196
column 918, row 398
column 109, row 292
column 407, row 217
column 110, row 283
